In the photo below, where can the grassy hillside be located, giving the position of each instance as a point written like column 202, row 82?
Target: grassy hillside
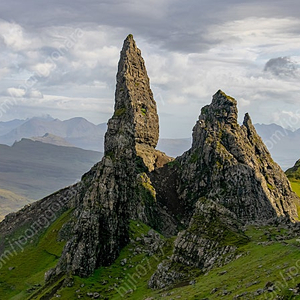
column 22, row 272
column 268, row 266
column 294, row 172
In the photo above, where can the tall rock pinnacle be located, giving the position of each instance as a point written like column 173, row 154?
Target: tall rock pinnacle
column 135, row 121
column 135, row 109
column 112, row 192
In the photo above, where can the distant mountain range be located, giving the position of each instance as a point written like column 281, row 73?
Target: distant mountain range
column 284, row 144
column 77, row 131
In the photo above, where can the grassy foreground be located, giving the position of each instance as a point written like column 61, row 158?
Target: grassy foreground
column 268, row 268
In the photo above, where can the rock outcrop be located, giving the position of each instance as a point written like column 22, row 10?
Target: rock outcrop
column 230, row 165
column 211, row 239
column 232, row 173
column 117, row 189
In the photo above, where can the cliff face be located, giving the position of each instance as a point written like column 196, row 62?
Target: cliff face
column 231, row 165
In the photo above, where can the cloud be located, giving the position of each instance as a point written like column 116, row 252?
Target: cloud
column 64, row 55
column 13, row 36
column 35, row 94
column 282, row 66
column 16, row 93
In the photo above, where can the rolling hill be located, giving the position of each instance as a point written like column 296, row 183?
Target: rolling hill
column 32, row 169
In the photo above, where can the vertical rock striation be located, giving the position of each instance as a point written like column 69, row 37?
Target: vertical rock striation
column 135, row 108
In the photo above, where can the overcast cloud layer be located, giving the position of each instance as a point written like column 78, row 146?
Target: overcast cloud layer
column 60, row 57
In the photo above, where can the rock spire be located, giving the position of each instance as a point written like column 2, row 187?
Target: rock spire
column 113, row 190
column 135, row 109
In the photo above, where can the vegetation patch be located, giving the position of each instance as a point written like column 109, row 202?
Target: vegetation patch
column 24, row 272
column 119, row 112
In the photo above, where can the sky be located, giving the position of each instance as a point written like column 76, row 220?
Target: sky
column 60, row 57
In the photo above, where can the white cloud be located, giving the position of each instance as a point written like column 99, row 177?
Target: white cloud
column 16, row 92
column 35, row 94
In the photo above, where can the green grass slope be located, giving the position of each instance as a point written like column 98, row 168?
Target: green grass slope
column 23, row 267
column 268, row 266
column 294, row 172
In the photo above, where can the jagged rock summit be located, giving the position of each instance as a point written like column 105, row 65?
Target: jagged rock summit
column 230, row 165
column 226, row 180
column 236, row 167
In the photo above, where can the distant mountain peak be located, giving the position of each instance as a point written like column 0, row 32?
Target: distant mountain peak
column 45, row 117
column 50, row 138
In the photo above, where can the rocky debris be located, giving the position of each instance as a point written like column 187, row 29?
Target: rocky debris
column 240, row 296
column 258, row 292
column 33, row 288
column 166, row 275
column 252, row 283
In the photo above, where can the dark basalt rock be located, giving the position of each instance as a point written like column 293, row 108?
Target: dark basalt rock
column 230, row 165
